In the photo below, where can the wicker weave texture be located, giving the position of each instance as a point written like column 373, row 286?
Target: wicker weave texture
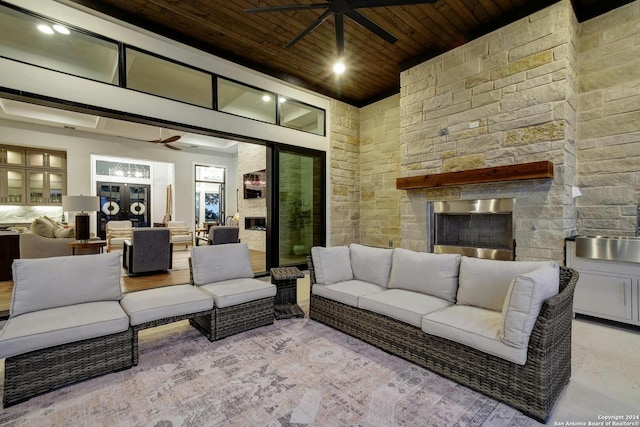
column 37, row 372
column 532, row 388
column 227, row 321
column 287, row 291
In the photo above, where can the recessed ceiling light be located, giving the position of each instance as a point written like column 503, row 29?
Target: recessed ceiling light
column 266, row 98
column 61, row 29
column 45, row 29
column 339, row 67
column 282, row 99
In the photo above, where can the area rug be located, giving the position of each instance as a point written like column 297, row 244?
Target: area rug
column 296, row 372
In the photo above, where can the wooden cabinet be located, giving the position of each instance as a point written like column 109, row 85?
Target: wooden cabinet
column 12, row 186
column 606, row 289
column 46, row 188
column 32, row 176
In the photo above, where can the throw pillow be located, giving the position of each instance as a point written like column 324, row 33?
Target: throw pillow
column 484, row 282
column 42, row 227
column 427, row 273
column 525, row 297
column 64, row 232
column 331, row 265
column 371, row 264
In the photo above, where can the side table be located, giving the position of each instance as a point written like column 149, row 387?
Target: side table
column 286, row 280
column 95, row 245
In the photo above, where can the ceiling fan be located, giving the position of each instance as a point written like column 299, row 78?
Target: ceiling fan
column 162, row 141
column 339, row 9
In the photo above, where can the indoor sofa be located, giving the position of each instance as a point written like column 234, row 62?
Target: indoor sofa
column 66, row 324
column 502, row 328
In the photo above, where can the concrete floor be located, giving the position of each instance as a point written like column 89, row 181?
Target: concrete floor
column 605, row 376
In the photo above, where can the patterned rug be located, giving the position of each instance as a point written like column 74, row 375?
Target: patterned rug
column 296, row 372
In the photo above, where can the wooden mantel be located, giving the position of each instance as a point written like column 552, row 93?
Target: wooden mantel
column 535, row 170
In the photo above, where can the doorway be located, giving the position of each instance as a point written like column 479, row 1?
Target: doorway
column 123, row 201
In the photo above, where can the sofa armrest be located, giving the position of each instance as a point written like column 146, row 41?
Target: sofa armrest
column 312, row 272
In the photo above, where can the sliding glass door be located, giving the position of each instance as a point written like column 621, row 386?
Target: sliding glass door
column 300, row 208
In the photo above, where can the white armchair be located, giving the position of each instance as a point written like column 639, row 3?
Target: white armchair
column 180, row 233
column 117, row 232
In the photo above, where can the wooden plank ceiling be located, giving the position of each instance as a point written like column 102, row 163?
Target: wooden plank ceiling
column 223, row 28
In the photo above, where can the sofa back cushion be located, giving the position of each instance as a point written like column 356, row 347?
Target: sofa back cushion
column 43, row 283
column 371, row 264
column 524, row 300
column 215, row 263
column 43, row 227
column 427, row 273
column 331, row 265
column 484, row 283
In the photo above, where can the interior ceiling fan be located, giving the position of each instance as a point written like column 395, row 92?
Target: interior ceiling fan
column 339, row 9
column 163, row 141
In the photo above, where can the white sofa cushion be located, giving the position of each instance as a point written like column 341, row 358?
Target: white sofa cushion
column 427, row 273
column 237, row 291
column 346, row 292
column 43, row 283
column 61, row 325
column 474, row 327
column 371, row 264
column 484, row 283
column 524, row 300
column 406, row 306
column 215, row 263
column 160, row 303
column 331, row 265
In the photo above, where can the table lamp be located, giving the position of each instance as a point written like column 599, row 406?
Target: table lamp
column 83, row 205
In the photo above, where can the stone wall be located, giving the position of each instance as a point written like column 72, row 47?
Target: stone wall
column 344, row 175
column 609, row 123
column 379, row 168
column 506, row 98
column 251, row 158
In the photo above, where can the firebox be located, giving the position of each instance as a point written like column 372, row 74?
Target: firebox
column 476, row 228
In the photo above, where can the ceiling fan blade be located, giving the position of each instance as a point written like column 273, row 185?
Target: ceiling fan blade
column 310, row 28
column 173, row 138
column 371, row 26
column 340, row 35
column 287, row 8
column 385, row 3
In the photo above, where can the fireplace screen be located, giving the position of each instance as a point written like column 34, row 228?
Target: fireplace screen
column 479, row 228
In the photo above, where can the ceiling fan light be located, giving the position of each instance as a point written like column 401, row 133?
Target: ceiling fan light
column 45, row 29
column 339, row 67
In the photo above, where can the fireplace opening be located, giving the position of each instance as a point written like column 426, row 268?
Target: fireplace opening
column 255, row 223
column 478, row 228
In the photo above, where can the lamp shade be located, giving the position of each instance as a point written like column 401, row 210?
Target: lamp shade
column 80, row 203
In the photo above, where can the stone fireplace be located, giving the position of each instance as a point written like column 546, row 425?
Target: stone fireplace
column 506, row 98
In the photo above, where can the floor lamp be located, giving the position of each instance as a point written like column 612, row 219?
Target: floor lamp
column 82, row 205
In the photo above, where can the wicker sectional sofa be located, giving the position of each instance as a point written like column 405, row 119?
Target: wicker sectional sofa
column 502, row 328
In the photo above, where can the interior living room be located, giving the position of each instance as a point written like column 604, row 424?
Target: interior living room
column 228, row 114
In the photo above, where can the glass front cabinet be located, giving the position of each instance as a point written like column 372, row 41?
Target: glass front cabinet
column 32, row 176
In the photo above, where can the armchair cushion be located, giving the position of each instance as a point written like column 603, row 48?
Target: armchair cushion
column 238, row 291
column 61, row 325
column 216, row 263
column 44, row 283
